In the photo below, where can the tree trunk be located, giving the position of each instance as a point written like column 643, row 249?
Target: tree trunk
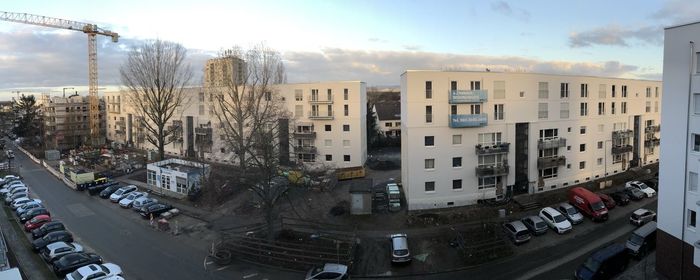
column 161, row 144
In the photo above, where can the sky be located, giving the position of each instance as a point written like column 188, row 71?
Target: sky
column 373, row 41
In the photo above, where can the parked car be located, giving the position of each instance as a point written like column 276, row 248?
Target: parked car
column 328, row 271
column 51, row 237
column 517, row 232
column 121, row 193
column 642, row 216
column 84, row 186
column 36, row 222
column 607, row 200
column 13, row 190
column 555, row 220
column 642, row 240
column 535, row 224
column 10, row 177
column 652, row 183
column 9, row 182
column 107, row 192
column 55, row 250
column 399, row 248
column 620, row 198
column 46, row 228
column 129, row 199
column 10, row 186
column 143, row 201
column 649, row 192
column 33, row 213
column 155, row 210
column 588, row 203
column 97, row 271
column 28, row 206
column 570, row 213
column 9, row 199
column 96, row 189
column 634, row 193
column 71, row 262
column 604, row 263
column 19, row 202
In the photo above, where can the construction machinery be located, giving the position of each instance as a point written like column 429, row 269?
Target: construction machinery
column 92, row 31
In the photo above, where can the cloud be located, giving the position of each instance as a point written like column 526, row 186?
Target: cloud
column 505, row 9
column 678, row 12
column 385, row 67
column 412, row 47
column 377, row 40
column 614, row 35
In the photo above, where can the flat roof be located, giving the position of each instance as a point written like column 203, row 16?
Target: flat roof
column 524, row 73
column 681, row 25
column 180, row 167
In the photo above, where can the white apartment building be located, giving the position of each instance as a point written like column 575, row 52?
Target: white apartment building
column 328, row 124
column 468, row 136
column 678, row 237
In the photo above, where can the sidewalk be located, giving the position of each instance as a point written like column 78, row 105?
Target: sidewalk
column 30, row 264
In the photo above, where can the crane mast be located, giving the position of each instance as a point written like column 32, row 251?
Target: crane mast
column 92, row 31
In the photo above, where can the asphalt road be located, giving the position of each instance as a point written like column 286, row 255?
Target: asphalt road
column 121, row 237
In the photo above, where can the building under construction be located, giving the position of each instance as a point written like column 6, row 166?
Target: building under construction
column 67, row 121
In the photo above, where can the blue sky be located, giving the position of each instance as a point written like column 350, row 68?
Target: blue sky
column 373, row 41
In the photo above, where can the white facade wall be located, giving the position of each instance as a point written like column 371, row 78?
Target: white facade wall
column 520, row 101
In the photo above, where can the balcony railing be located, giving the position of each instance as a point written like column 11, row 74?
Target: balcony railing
column 202, row 130
column 621, row 149
column 501, row 148
column 467, row 96
column 492, row 170
column 551, row 143
column 627, row 133
column 468, row 120
column 316, row 115
column 652, row 142
column 317, row 99
column 305, row 149
column 305, row 134
column 653, row 128
column 548, row 162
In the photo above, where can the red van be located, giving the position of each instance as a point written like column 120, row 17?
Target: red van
column 588, row 203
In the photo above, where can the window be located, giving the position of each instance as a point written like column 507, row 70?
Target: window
column 498, row 112
column 546, row 134
column 346, row 143
column 543, row 92
column 623, row 108
column 656, row 92
column 599, row 161
column 268, row 96
column 583, row 129
column 489, row 139
column 584, row 109
column 564, row 90
column 617, row 158
column 624, row 91
column 582, row 165
column 346, row 158
column 612, row 108
column 430, row 163
column 696, row 142
column 475, row 109
column 151, row 178
column 542, row 112
column 457, row 162
column 388, row 124
column 345, row 94
column 522, row 94
column 564, row 110
column 330, row 110
column 457, row 139
column 601, row 108
column 329, row 94
column 453, row 109
column 693, row 181
column 328, row 142
column 648, row 107
column 475, row 85
column 453, row 85
column 546, row 173
column 298, row 95
column 601, row 91
column 428, row 114
column 584, row 90
column 346, row 110
column 328, row 127
column 489, row 182
column 600, row 145
column 612, row 92
column 648, row 92
column 582, row 147
column 329, row 157
column 428, row 89
column 457, row 184
column 430, row 186
column 429, row 141
column 691, row 218
column 346, row 127
column 656, row 106
column 499, row 89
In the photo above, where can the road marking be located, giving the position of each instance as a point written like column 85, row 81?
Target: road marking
column 222, row 268
column 250, row 275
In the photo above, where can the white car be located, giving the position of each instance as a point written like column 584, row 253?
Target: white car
column 328, row 271
column 121, row 193
column 56, row 250
column 129, row 199
column 28, row 206
column 648, row 191
column 555, row 220
column 7, row 189
column 96, row 271
column 10, row 177
column 19, row 202
column 141, row 201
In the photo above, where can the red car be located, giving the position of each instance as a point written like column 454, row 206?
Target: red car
column 36, row 222
column 609, row 202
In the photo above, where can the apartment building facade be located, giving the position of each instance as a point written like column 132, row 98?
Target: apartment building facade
column 470, row 136
column 678, row 235
column 67, row 121
column 387, row 116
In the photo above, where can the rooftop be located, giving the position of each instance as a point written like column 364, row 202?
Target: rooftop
column 492, row 72
column 388, row 110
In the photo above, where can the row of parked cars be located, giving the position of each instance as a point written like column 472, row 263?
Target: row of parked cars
column 128, row 197
column 50, row 239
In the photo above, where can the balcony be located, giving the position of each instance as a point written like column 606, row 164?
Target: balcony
column 468, row 120
column 467, row 96
column 501, row 148
column 551, row 143
column 549, row 162
column 304, row 134
column 492, row 170
column 621, row 149
column 627, row 133
column 316, row 115
column 316, row 99
column 653, row 128
column 202, row 130
column 652, row 142
column 305, row 149
column 121, row 123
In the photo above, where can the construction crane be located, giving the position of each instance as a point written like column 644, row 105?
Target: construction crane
column 92, row 31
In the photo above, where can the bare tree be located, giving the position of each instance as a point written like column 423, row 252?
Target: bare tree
column 156, row 75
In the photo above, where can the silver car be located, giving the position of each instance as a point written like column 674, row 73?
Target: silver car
column 571, row 213
column 517, row 232
column 142, row 201
column 56, row 250
column 535, row 224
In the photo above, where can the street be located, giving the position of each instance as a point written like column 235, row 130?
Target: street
column 121, row 237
